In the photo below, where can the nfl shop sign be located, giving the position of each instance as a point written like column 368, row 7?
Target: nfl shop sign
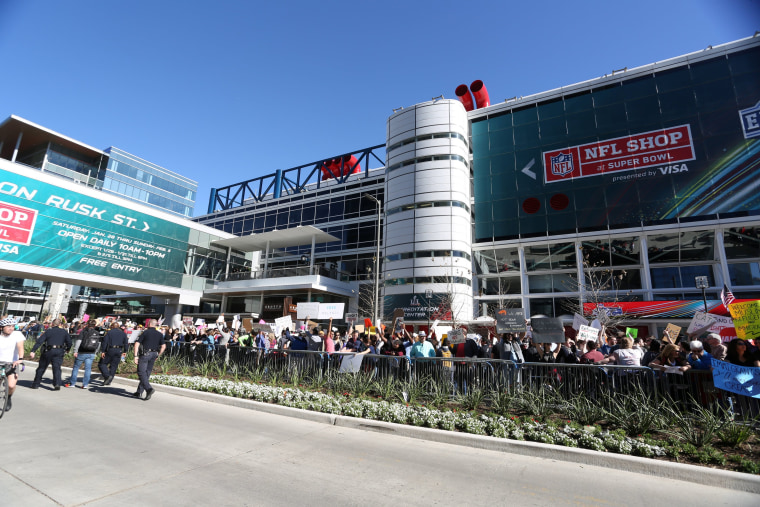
column 656, row 148
column 16, row 223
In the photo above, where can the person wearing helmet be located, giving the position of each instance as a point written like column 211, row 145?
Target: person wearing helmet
column 11, row 351
column 56, row 341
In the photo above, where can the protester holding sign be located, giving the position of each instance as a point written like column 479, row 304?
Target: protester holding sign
column 670, row 361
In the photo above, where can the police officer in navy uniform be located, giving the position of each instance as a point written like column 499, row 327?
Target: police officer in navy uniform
column 56, row 342
column 114, row 348
column 149, row 345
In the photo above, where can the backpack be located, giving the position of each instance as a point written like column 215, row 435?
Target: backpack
column 90, row 341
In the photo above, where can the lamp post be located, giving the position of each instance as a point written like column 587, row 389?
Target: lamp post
column 702, row 283
column 377, row 257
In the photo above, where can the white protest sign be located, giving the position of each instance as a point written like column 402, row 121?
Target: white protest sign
column 588, row 333
column 700, row 321
column 351, row 363
column 578, row 321
column 331, row 310
column 306, row 310
column 282, row 323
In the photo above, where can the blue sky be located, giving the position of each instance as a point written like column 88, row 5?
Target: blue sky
column 226, row 91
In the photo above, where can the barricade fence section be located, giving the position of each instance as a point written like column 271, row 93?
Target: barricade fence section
column 457, row 375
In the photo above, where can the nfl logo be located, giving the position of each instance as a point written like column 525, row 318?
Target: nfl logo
column 751, row 121
column 562, row 164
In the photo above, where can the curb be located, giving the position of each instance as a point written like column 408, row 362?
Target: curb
column 682, row 472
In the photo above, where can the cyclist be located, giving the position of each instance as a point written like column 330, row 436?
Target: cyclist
column 11, row 351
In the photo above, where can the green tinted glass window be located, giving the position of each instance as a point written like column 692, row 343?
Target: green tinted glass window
column 673, row 79
column 639, row 87
column 710, row 70
column 551, row 109
column 578, row 102
column 607, row 95
column 525, row 115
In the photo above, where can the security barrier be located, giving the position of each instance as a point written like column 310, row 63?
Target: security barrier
column 463, row 375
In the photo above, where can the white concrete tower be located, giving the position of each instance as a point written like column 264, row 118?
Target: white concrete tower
column 428, row 227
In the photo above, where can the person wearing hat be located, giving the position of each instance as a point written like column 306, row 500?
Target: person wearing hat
column 421, row 347
column 56, row 342
column 11, row 351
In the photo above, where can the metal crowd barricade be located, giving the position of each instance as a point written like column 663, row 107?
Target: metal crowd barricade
column 595, row 382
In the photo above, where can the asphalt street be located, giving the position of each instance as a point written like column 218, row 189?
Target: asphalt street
column 103, row 447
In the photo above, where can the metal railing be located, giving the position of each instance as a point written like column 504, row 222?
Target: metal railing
column 462, row 375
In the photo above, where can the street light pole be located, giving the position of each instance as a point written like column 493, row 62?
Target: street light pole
column 377, row 258
column 702, row 283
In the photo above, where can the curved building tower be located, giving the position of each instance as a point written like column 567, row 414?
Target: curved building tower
column 428, row 226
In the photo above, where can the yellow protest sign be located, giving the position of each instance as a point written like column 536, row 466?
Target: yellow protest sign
column 746, row 319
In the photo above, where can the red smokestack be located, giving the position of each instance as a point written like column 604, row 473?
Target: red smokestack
column 464, row 97
column 481, row 94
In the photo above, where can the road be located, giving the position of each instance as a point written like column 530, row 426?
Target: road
column 103, row 447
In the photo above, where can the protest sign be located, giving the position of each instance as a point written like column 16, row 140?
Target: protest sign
column 671, row 333
column 456, row 336
column 352, row 317
column 283, row 323
column 306, row 310
column 632, row 332
column 331, row 311
column 256, row 328
column 510, row 320
column 247, row 323
column 398, row 320
column 350, row 363
column 746, row 319
column 736, row 379
column 700, row 322
column 578, row 321
column 546, row 330
column 588, row 333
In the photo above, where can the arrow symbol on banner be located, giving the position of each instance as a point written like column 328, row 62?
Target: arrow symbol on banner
column 146, row 226
column 526, row 170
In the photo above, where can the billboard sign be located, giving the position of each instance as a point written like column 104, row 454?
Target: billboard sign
column 45, row 225
column 663, row 147
column 750, row 118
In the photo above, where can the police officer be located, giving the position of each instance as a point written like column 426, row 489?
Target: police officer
column 114, row 348
column 56, row 342
column 148, row 347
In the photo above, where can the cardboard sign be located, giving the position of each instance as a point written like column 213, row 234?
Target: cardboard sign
column 456, row 336
column 578, row 321
column 510, row 320
column 746, row 319
column 700, row 322
column 247, row 323
column 671, row 333
column 588, row 333
column 546, row 330
column 307, row 310
column 398, row 320
column 352, row 317
column 360, row 328
column 255, row 328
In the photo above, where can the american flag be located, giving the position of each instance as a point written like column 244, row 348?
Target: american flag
column 726, row 296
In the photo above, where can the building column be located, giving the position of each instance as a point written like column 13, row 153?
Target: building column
column 18, row 144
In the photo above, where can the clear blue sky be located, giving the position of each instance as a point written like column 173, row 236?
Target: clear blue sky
column 223, row 91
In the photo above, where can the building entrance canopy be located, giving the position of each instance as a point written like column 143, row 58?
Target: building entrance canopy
column 296, row 236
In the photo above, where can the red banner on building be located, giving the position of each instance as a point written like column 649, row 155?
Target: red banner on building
column 16, row 223
column 650, row 149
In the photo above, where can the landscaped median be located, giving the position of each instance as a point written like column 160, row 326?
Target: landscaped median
column 548, row 431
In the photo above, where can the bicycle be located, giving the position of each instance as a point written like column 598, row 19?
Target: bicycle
column 4, row 385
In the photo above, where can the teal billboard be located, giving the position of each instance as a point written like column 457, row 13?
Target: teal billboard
column 45, row 225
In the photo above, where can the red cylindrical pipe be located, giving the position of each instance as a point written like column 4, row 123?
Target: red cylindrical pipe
column 480, row 93
column 465, row 97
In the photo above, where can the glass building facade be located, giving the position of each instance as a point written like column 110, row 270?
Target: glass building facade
column 340, row 210
column 644, row 181
column 137, row 179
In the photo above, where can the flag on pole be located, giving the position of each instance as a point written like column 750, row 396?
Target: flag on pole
column 726, row 296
